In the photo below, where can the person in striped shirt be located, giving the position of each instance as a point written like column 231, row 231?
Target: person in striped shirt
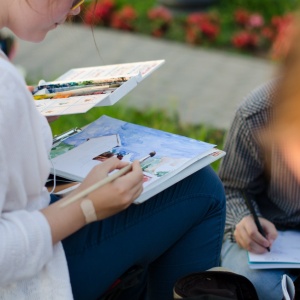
column 263, row 173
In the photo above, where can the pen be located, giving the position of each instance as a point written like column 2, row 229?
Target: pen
column 256, row 220
column 104, row 181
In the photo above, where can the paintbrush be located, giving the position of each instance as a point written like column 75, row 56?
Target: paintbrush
column 83, row 91
column 104, row 181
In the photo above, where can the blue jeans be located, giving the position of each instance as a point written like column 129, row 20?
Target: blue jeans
column 174, row 233
column 267, row 282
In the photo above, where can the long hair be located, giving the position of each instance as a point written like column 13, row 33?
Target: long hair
column 286, row 109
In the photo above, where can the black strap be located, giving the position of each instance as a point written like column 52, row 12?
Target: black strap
column 129, row 279
column 207, row 297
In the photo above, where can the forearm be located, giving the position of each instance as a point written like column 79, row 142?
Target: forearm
column 64, row 221
column 105, row 201
column 241, row 170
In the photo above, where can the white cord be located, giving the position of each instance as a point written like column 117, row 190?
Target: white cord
column 54, row 176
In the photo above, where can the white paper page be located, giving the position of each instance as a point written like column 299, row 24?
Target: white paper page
column 285, row 249
column 83, row 156
column 72, row 105
column 139, row 69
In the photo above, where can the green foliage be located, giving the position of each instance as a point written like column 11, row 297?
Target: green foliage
column 224, row 11
column 267, row 8
column 140, row 6
column 155, row 118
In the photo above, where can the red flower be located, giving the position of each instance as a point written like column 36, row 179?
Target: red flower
column 256, row 21
column 161, row 19
column 99, row 13
column 210, row 30
column 160, row 13
column 89, row 17
column 245, row 39
column 124, row 18
column 241, row 17
column 284, row 33
column 128, row 13
column 157, row 32
column 268, row 33
column 200, row 25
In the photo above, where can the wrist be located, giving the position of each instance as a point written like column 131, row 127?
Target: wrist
column 88, row 210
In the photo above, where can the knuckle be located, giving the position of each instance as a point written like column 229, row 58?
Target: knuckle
column 252, row 233
column 126, row 199
column 124, row 194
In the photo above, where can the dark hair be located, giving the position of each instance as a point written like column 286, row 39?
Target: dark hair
column 6, row 43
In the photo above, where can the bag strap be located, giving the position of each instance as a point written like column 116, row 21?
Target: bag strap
column 206, row 297
column 129, row 279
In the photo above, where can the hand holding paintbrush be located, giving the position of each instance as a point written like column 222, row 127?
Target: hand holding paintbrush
column 104, row 181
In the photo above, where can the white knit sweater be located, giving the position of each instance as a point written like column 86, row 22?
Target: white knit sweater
column 30, row 266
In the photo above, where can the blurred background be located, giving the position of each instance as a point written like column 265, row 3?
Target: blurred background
column 216, row 52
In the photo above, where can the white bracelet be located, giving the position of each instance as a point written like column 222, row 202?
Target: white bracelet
column 88, row 210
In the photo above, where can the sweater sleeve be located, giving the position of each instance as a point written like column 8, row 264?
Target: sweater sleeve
column 23, row 250
column 26, row 245
column 241, row 169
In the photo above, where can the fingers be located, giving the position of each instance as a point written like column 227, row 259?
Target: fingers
column 248, row 237
column 52, row 118
column 30, row 88
column 114, row 163
column 132, row 180
column 270, row 230
column 103, row 169
column 130, row 185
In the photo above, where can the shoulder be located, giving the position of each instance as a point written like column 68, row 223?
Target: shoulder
column 255, row 110
column 258, row 102
column 9, row 74
column 16, row 104
column 13, row 89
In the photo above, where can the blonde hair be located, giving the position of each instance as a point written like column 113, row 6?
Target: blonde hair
column 287, row 94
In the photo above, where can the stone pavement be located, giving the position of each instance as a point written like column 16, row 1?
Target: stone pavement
column 204, row 86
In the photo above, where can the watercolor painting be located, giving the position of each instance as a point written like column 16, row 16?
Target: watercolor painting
column 176, row 156
column 172, row 151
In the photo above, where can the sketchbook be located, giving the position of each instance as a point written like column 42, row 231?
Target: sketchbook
column 285, row 253
column 176, row 156
column 81, row 89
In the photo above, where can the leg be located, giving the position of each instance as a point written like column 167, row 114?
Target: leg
column 267, row 282
column 176, row 232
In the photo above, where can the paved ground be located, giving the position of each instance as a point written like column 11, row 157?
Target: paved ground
column 204, row 86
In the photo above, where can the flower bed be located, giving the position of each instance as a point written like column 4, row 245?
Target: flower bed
column 236, row 28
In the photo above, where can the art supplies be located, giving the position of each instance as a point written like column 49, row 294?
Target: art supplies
column 81, row 89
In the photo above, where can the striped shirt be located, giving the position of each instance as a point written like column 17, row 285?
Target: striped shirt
column 249, row 167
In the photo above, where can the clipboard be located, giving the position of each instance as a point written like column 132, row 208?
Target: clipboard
column 57, row 139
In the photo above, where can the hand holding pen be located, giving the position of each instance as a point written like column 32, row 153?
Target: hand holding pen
column 255, row 217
